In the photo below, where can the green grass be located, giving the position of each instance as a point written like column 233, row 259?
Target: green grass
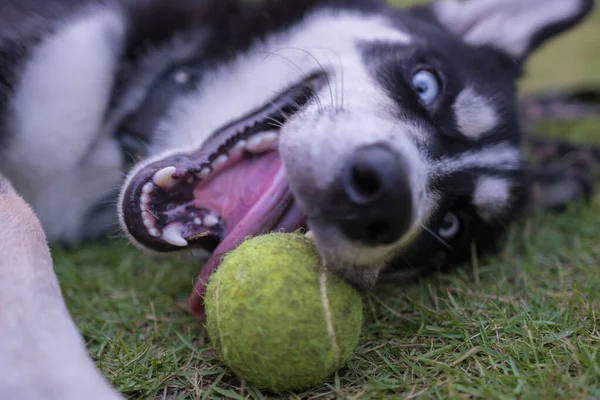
column 522, row 325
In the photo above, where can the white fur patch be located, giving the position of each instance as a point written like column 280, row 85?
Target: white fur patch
column 502, row 156
column 491, row 196
column 474, row 114
column 57, row 159
column 63, row 92
column 326, row 40
column 506, row 24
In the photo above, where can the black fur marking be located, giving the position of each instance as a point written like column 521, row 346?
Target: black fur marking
column 154, row 23
column 12, row 57
column 269, row 17
column 464, row 68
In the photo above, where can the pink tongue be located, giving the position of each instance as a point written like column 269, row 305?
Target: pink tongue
column 254, row 209
column 237, row 188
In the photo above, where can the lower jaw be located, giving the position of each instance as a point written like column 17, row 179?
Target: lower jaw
column 286, row 216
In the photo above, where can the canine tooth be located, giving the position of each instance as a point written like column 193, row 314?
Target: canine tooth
column 210, row 220
column 204, row 172
column 172, row 235
column 220, row 161
column 164, row 178
column 197, row 221
column 262, row 141
column 310, row 235
column 148, row 188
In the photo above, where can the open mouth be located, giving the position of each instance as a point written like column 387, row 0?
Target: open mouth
column 232, row 187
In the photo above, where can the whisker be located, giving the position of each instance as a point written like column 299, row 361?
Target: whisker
column 321, row 67
column 303, row 73
column 342, row 77
column 117, row 234
column 275, row 123
column 439, row 239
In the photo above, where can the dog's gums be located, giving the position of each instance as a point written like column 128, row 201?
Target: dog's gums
column 234, row 186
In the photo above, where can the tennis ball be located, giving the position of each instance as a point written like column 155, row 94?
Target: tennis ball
column 276, row 318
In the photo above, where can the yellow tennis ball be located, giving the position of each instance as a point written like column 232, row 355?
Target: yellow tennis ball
column 277, row 318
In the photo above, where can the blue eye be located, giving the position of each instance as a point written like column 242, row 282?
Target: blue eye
column 426, row 85
column 450, row 226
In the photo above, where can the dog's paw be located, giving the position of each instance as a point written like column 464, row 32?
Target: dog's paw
column 565, row 104
column 556, row 152
column 555, row 187
column 562, row 171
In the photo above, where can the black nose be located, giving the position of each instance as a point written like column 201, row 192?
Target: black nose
column 375, row 188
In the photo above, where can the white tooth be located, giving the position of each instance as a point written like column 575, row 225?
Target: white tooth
column 238, row 148
column 254, row 143
column 154, row 232
column 310, row 235
column 172, row 235
column 210, row 220
column 148, row 223
column 197, row 221
column 262, row 141
column 204, row 172
column 148, row 188
column 145, row 199
column 220, row 161
column 164, row 178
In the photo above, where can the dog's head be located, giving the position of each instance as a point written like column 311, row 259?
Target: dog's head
column 390, row 134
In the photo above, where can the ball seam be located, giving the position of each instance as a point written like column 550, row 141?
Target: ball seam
column 327, row 312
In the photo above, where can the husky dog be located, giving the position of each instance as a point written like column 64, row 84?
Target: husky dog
column 394, row 137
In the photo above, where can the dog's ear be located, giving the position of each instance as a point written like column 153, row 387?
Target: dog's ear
column 514, row 27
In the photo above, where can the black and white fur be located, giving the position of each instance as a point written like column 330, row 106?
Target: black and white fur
column 93, row 91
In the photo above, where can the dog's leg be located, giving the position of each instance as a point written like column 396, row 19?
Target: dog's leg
column 554, row 185
column 562, row 104
column 567, row 104
column 552, row 151
column 42, row 354
column 562, row 171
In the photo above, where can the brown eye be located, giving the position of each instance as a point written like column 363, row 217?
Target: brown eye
column 449, row 226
